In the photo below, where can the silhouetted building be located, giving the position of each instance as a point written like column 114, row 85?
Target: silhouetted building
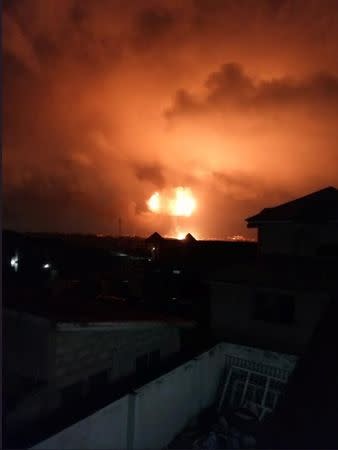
column 189, row 238
column 307, row 226
column 276, row 301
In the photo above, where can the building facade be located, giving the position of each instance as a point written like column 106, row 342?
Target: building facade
column 307, row 226
column 50, row 365
column 276, row 301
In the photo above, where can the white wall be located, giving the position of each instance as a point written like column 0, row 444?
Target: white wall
column 105, row 429
column 151, row 416
column 164, row 407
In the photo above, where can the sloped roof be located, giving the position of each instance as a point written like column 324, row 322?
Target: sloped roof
column 190, row 238
column 155, row 237
column 319, row 206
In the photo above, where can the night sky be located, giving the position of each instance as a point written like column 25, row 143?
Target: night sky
column 108, row 101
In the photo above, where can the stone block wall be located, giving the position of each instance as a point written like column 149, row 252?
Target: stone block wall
column 81, row 353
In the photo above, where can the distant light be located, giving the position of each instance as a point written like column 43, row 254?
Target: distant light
column 46, row 266
column 15, row 262
column 125, row 281
column 173, row 298
column 153, row 249
column 176, row 272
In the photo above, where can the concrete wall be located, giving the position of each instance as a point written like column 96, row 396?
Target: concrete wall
column 164, row 407
column 295, row 238
column 82, row 353
column 151, row 416
column 232, row 319
column 106, row 429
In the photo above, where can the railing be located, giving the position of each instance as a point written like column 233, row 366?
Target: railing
column 252, row 382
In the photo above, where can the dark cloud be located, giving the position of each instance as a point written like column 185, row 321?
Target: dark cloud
column 247, row 187
column 58, row 204
column 151, row 173
column 153, row 24
column 231, row 87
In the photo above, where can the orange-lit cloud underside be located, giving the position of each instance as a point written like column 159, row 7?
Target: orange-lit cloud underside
column 106, row 103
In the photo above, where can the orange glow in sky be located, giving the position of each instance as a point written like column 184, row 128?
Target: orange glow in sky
column 196, row 136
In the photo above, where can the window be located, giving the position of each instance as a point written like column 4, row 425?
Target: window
column 273, row 307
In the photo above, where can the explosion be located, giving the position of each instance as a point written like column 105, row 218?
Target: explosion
column 154, row 203
column 181, row 235
column 179, row 203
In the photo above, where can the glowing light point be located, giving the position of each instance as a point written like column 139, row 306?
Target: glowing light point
column 15, row 262
column 46, row 266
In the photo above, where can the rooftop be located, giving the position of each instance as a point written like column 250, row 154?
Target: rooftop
column 317, row 207
column 102, row 312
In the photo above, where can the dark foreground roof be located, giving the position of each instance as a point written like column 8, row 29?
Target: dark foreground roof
column 317, row 207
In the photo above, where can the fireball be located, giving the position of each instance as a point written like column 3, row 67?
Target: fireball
column 179, row 202
column 183, row 204
column 154, row 203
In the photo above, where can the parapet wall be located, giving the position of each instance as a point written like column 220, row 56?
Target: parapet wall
column 153, row 415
